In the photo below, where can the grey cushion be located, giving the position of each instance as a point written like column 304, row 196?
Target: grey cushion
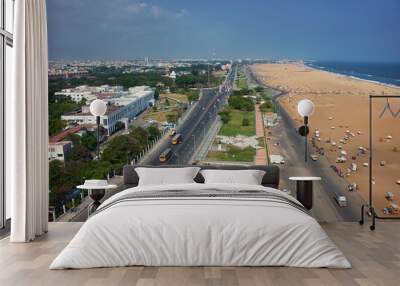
column 270, row 179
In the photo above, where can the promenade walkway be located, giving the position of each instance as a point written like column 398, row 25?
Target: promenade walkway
column 261, row 154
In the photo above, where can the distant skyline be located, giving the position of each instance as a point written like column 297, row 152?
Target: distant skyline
column 345, row 30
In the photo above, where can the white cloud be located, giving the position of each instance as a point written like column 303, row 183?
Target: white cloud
column 136, row 8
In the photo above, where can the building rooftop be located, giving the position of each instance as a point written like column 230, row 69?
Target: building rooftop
column 86, row 112
column 62, row 135
column 61, row 143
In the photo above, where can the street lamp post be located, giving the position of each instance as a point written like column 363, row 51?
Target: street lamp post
column 305, row 108
column 98, row 108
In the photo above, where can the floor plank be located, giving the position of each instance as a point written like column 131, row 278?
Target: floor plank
column 375, row 257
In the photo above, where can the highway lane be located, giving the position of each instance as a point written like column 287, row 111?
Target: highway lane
column 195, row 126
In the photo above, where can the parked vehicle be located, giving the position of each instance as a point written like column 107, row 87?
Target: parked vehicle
column 389, row 196
column 165, row 155
column 341, row 159
column 341, row 200
column 352, row 187
column 177, row 139
column 276, row 159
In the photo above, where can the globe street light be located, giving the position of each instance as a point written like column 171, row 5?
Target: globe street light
column 98, row 108
column 305, row 108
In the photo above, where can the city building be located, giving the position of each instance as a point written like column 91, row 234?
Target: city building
column 76, row 94
column 59, row 150
column 123, row 107
column 172, row 75
column 90, row 93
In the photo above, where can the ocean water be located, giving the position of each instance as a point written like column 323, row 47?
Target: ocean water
column 386, row 73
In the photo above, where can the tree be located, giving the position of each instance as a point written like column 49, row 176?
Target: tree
column 225, row 115
column 60, row 182
column 83, row 101
column 58, row 107
column 74, row 138
column 89, row 141
column 121, row 150
column 192, row 94
column 56, row 125
column 140, row 134
column 267, row 105
column 245, row 122
column 156, row 94
column 259, row 89
column 98, row 170
column 153, row 131
column 80, row 153
column 241, row 103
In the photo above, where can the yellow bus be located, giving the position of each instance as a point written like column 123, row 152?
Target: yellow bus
column 177, row 139
column 165, row 155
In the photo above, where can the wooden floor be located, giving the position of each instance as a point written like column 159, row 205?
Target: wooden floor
column 375, row 257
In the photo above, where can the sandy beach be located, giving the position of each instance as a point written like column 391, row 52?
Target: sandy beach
column 341, row 116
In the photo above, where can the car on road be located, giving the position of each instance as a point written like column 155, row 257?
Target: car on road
column 165, row 155
column 341, row 200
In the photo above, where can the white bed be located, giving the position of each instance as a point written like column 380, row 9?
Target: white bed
column 207, row 230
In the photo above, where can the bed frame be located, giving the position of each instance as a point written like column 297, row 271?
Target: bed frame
column 270, row 179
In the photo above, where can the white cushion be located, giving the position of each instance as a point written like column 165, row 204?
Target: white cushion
column 166, row 176
column 247, row 177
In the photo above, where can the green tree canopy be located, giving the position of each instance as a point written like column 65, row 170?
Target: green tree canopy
column 89, row 141
column 153, row 131
column 241, row 103
column 80, row 153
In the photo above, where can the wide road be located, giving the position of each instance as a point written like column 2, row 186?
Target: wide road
column 194, row 127
column 291, row 146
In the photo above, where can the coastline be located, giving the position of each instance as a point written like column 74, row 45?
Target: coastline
column 342, row 106
column 352, row 76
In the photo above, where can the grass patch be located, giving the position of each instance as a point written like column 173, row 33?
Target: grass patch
column 159, row 116
column 234, row 126
column 242, row 83
column 168, row 104
column 233, row 154
column 175, row 97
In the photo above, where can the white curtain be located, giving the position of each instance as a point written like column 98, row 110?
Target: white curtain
column 27, row 121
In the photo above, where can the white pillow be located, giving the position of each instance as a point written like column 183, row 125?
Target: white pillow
column 166, row 176
column 247, row 177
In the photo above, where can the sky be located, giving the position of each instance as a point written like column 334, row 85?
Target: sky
column 344, row 30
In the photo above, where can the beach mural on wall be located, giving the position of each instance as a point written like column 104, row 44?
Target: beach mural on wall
column 340, row 121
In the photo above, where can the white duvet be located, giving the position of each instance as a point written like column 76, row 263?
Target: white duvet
column 200, row 231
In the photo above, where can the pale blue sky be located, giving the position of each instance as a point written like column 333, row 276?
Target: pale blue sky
column 349, row 30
